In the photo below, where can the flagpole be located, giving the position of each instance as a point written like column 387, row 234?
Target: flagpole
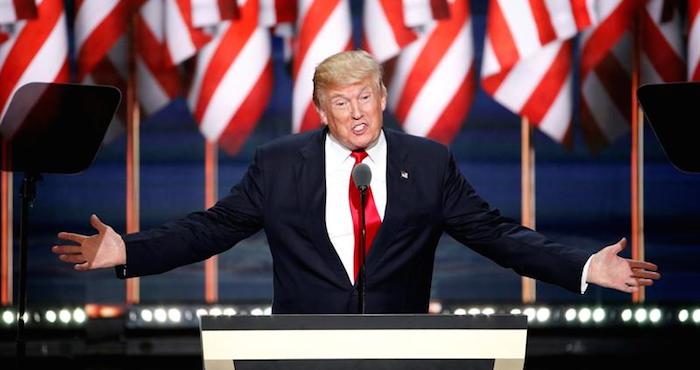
column 527, row 197
column 637, row 158
column 211, row 172
column 6, row 238
column 133, row 121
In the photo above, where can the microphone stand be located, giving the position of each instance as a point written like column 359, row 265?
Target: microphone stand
column 363, row 238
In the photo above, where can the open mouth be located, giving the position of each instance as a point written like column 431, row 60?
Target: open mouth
column 359, row 128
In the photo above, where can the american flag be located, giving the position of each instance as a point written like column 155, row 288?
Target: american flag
column 385, row 32
column 15, row 10
column 36, row 51
column 606, row 63
column 233, row 79
column 433, row 80
column 527, row 59
column 323, row 29
column 694, row 40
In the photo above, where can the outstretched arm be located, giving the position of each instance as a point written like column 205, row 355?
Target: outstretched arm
column 609, row 270
column 102, row 250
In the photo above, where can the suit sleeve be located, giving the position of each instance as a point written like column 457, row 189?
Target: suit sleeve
column 470, row 220
column 200, row 235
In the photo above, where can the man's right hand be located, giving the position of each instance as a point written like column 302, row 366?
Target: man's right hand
column 102, row 250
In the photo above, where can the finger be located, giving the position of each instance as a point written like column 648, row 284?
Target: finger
column 642, row 265
column 66, row 249
column 72, row 258
column 631, row 282
column 645, row 282
column 97, row 223
column 78, row 238
column 81, row 266
column 645, row 274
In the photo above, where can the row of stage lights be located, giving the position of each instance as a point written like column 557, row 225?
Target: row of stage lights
column 543, row 316
column 145, row 316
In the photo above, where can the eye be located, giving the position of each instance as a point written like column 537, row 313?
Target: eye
column 365, row 97
column 339, row 103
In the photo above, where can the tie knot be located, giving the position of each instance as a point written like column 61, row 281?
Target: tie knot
column 359, row 155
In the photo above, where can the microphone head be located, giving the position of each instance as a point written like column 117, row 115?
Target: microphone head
column 362, row 176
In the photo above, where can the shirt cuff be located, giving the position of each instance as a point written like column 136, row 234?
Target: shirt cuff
column 120, row 270
column 584, row 275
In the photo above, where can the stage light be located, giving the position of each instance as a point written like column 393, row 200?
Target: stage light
column 543, row 314
column 598, row 315
column 79, row 315
column 146, row 315
column 216, row 311
column 460, row 311
column 584, row 315
column 570, row 314
column 626, row 315
column 229, row 311
column 64, row 316
column 696, row 315
column 200, row 312
column 474, row 311
column 36, row 317
column 488, row 311
column 50, row 316
column 174, row 315
column 530, row 313
column 160, row 315
column 8, row 317
column 267, row 311
column 683, row 315
column 257, row 311
column 655, row 315
column 515, row 311
column 640, row 315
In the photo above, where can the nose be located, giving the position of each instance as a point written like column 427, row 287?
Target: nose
column 355, row 112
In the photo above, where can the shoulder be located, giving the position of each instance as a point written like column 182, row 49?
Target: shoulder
column 289, row 146
column 415, row 145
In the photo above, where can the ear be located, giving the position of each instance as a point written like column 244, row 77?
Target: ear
column 322, row 115
column 383, row 103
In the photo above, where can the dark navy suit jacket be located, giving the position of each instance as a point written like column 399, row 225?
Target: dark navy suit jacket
column 283, row 192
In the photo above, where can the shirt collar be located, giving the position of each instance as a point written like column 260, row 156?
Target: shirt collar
column 336, row 153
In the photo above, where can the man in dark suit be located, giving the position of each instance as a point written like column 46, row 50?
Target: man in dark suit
column 299, row 190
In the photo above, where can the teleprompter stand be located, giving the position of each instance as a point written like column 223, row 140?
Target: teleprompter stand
column 50, row 128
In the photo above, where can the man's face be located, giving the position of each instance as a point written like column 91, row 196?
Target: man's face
column 353, row 113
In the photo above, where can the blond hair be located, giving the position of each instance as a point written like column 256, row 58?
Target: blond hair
column 346, row 68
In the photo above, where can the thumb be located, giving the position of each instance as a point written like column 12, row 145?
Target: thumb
column 97, row 223
column 620, row 246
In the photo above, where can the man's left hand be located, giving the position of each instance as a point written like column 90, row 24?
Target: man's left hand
column 609, row 270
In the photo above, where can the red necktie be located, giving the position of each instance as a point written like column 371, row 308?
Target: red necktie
column 372, row 220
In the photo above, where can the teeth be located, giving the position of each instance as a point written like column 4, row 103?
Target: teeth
column 359, row 127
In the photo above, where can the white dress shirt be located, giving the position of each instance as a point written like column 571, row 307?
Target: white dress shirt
column 339, row 165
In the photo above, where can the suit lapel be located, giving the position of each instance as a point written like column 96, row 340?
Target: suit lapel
column 397, row 186
column 311, row 191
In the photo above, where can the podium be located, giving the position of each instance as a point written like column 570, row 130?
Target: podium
column 377, row 342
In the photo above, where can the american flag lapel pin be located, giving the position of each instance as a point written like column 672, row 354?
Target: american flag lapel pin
column 404, row 174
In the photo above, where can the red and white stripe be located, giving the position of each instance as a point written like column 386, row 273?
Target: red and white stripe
column 605, row 74
column 158, row 81
column 36, row 51
column 663, row 54
column 433, row 82
column 16, row 10
column 323, row 29
column 527, row 59
column 385, row 32
column 694, row 40
column 182, row 39
column 99, row 24
column 207, row 13
column 233, row 79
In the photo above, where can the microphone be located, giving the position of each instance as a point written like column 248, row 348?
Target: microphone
column 362, row 176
